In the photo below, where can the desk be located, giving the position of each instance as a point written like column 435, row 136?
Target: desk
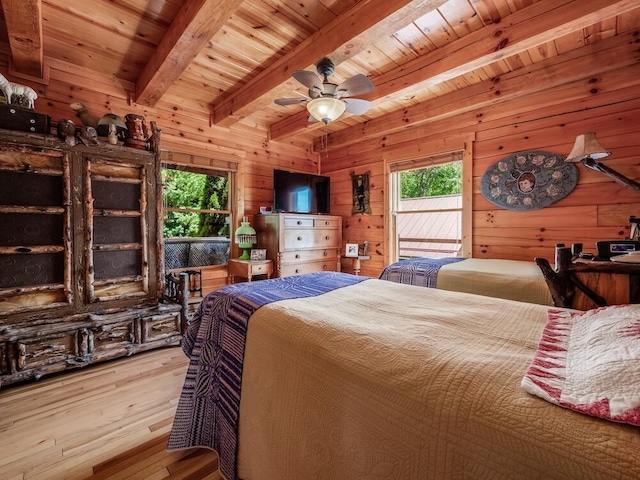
column 585, row 284
column 248, row 268
column 356, row 262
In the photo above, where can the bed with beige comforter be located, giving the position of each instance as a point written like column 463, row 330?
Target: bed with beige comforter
column 368, row 379
column 500, row 278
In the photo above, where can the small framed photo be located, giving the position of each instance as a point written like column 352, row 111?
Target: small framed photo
column 259, row 254
column 352, row 250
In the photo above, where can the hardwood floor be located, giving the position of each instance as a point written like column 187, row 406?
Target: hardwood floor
column 107, row 421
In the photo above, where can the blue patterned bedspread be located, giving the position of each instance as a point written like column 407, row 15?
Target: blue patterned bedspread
column 208, row 410
column 422, row 272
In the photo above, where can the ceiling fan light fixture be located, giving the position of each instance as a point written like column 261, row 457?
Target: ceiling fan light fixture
column 326, row 109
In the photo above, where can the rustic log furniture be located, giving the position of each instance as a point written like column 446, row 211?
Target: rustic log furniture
column 584, row 284
column 81, row 255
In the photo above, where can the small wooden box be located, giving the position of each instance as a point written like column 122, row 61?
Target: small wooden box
column 23, row 119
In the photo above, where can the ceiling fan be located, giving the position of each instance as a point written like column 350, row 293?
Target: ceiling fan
column 327, row 101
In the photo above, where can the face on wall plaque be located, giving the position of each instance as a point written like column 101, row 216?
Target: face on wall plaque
column 528, row 180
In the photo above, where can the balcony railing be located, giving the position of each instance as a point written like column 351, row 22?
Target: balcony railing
column 188, row 252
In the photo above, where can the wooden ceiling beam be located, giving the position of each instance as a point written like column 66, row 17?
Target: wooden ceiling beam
column 525, row 29
column 344, row 37
column 196, row 23
column 24, row 29
column 583, row 64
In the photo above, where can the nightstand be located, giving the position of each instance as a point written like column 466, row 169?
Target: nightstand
column 249, row 268
column 356, row 262
column 585, row 284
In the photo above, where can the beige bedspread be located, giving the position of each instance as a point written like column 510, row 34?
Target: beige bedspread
column 388, row 381
column 510, row 279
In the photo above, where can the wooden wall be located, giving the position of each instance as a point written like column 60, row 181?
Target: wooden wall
column 596, row 209
column 549, row 120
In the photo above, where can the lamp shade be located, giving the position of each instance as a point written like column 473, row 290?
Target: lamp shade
column 326, row 109
column 112, row 121
column 586, row 146
column 245, row 237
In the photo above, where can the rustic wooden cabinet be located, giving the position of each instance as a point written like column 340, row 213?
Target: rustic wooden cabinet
column 300, row 243
column 81, row 270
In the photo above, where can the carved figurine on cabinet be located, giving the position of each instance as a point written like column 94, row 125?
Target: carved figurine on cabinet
column 15, row 93
column 67, row 131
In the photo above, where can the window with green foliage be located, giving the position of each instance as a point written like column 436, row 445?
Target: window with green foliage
column 196, row 204
column 432, row 181
column 197, row 216
column 427, row 207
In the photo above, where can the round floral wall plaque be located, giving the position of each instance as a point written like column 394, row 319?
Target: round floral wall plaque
column 528, row 180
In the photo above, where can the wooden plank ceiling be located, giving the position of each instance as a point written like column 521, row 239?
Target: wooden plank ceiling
column 428, row 59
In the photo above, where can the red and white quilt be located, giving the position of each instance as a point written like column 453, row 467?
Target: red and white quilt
column 590, row 362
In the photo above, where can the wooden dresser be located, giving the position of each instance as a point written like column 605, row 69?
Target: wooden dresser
column 300, row 243
column 81, row 257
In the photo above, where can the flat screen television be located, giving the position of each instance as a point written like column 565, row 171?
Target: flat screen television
column 300, row 192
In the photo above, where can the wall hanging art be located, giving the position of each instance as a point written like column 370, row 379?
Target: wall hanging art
column 360, row 184
column 528, row 180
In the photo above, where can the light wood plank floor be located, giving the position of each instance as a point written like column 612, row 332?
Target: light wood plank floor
column 106, row 421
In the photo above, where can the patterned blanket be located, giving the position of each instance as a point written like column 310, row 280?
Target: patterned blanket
column 422, row 272
column 590, row 362
column 208, row 409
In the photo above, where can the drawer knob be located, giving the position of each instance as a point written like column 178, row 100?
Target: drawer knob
column 299, row 222
column 327, row 237
column 297, row 270
column 299, row 238
column 325, row 253
column 297, row 255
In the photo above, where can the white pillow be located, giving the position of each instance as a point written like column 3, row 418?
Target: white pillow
column 590, row 362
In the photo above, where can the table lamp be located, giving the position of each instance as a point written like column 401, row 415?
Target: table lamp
column 111, row 120
column 245, row 238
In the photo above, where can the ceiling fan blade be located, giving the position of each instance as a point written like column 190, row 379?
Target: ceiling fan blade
column 308, row 79
column 290, row 101
column 356, row 85
column 357, row 106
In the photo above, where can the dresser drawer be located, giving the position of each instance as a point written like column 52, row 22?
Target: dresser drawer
column 260, row 268
column 301, row 222
column 299, row 256
column 39, row 352
column 327, row 222
column 161, row 326
column 112, row 335
column 309, row 267
column 309, row 238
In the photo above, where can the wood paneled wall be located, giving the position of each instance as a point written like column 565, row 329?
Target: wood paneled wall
column 597, row 208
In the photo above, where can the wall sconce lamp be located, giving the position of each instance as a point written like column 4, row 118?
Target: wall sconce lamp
column 245, row 238
column 588, row 151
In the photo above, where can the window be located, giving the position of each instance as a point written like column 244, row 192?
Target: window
column 427, row 207
column 197, row 215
